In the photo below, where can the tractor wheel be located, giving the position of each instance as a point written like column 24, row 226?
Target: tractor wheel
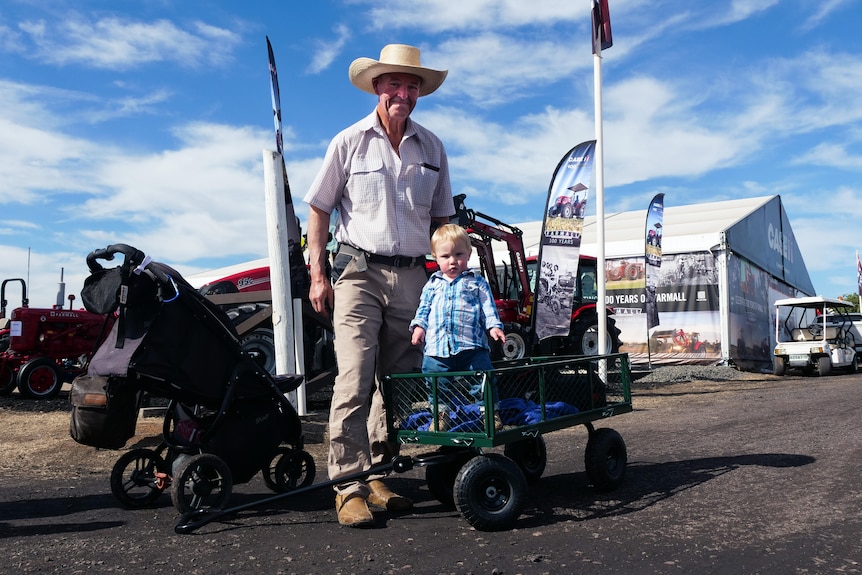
column 4, row 342
column 568, row 211
column 516, row 346
column 585, row 336
column 40, row 378
column 7, row 378
column 632, row 272
column 260, row 344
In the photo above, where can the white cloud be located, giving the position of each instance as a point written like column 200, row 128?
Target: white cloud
column 118, row 44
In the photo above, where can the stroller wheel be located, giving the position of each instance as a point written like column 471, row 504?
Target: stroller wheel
column 201, row 482
column 289, row 469
column 134, row 479
column 294, row 469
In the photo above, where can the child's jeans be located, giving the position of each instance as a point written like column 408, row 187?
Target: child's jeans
column 452, row 392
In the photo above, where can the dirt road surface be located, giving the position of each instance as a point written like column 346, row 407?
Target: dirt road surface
column 738, row 477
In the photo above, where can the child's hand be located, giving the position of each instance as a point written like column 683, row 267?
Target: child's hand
column 498, row 334
column 418, row 336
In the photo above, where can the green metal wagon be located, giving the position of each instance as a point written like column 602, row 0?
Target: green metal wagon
column 520, row 402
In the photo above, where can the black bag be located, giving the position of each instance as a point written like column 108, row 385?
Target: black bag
column 104, row 411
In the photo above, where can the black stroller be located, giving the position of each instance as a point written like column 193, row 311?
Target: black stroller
column 227, row 418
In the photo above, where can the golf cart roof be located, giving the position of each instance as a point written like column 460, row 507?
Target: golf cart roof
column 815, row 302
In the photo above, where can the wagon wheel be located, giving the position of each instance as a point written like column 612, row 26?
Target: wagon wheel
column 294, row 470
column 40, row 378
column 203, row 481
column 605, row 459
column 7, row 379
column 440, row 477
column 531, row 455
column 490, row 492
column 134, row 479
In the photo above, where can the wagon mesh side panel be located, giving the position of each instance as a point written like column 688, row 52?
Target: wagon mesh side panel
column 522, row 393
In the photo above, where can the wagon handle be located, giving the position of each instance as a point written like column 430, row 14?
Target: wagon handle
column 193, row 520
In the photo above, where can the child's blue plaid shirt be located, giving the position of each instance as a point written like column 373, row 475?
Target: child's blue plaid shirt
column 456, row 314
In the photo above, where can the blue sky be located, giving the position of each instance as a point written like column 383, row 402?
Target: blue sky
column 144, row 122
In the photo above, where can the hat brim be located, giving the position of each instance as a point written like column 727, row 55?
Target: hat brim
column 363, row 71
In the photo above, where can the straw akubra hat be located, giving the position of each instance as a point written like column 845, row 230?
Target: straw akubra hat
column 395, row 58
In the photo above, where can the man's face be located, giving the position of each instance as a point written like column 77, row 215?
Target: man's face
column 397, row 93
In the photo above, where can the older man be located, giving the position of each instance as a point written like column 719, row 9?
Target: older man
column 388, row 179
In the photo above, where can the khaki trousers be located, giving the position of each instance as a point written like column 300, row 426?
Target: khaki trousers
column 373, row 310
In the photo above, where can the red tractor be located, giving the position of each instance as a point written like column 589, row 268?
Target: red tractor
column 41, row 348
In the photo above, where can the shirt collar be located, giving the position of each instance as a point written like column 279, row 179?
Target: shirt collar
column 372, row 122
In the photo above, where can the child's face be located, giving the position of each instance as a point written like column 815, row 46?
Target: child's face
column 452, row 257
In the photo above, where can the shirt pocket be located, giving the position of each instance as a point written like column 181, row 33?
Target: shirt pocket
column 367, row 183
column 422, row 183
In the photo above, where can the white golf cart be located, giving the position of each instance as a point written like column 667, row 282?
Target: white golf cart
column 813, row 333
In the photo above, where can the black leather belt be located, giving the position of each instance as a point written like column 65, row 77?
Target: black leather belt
column 394, row 261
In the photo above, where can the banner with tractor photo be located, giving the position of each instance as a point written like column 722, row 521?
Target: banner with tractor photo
column 686, row 297
column 560, row 244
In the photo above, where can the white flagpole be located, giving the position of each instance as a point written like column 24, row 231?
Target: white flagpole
column 601, row 308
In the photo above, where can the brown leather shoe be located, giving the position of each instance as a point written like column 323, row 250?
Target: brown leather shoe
column 381, row 496
column 353, row 511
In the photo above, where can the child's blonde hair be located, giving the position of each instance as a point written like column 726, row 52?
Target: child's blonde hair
column 450, row 233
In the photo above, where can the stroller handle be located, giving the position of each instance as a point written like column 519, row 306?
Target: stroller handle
column 133, row 258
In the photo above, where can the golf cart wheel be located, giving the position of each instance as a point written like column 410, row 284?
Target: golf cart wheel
column 203, row 481
column 294, row 469
column 530, row 455
column 134, row 479
column 440, row 477
column 490, row 492
column 605, row 459
column 778, row 366
column 7, row 379
column 854, row 366
column 824, row 366
column 40, row 378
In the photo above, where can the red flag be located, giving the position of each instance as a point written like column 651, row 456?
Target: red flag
column 859, row 273
column 601, row 26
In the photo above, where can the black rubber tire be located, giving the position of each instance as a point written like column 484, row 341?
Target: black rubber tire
column 779, row 367
column 4, row 342
column 824, row 366
column 40, row 378
column 268, row 472
column 567, row 212
column 203, row 481
column 585, row 336
column 605, row 459
column 853, row 367
column 133, row 479
column 8, row 379
column 531, row 455
column 440, row 477
column 490, row 492
column 260, row 344
column 294, row 470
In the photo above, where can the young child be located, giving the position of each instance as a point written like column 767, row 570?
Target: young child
column 455, row 310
